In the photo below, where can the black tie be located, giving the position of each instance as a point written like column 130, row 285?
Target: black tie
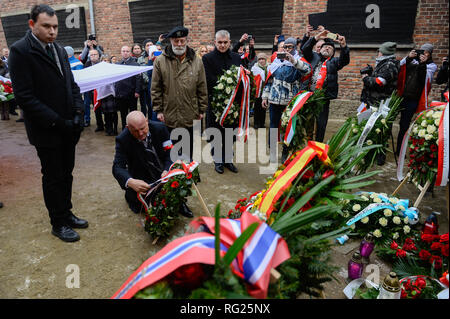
column 50, row 52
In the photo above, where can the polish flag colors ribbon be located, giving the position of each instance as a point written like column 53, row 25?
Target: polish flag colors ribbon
column 285, row 179
column 244, row 110
column 263, row 251
column 172, row 172
column 298, row 102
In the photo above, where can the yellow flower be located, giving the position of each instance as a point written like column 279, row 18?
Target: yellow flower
column 377, row 200
column 377, row 233
column 356, row 207
column 387, row 212
column 383, row 221
column 406, row 229
column 365, row 220
column 396, row 220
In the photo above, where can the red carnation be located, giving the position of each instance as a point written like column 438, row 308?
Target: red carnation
column 174, row 184
column 437, row 261
column 327, row 173
column 430, row 163
column 428, row 238
column 237, row 206
column 189, row 175
column 444, row 250
column 424, row 255
column 407, row 285
column 400, row 253
column 154, row 219
column 443, row 238
column 404, row 295
column 164, row 202
column 433, row 148
column 308, row 174
column 394, row 245
column 436, row 246
column 420, row 283
column 409, row 246
column 242, row 209
column 230, row 212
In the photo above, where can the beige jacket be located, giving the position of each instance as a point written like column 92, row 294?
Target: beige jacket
column 179, row 88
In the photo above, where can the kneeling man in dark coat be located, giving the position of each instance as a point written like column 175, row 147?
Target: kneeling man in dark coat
column 142, row 157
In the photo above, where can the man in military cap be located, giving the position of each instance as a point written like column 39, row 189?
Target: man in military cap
column 178, row 91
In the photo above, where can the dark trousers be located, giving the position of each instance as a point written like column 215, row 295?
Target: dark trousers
column 111, row 122
column 99, row 118
column 126, row 105
column 57, row 164
column 259, row 114
column 176, row 139
column 408, row 109
column 144, row 100
column 322, row 122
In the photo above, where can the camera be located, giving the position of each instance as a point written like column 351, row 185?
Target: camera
column 281, row 55
column 332, row 36
column 249, row 37
column 92, row 37
column 367, row 70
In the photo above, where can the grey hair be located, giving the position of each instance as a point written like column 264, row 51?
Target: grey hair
column 223, row 33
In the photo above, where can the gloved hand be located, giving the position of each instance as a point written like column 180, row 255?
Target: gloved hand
column 78, row 123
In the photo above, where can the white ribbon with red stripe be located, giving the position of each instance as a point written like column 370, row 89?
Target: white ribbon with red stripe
column 443, row 149
column 244, row 112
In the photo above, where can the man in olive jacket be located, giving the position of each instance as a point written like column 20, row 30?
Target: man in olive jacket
column 53, row 111
column 179, row 91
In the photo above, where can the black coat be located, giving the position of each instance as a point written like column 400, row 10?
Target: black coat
column 216, row 63
column 330, row 86
column 46, row 96
column 129, row 86
column 130, row 160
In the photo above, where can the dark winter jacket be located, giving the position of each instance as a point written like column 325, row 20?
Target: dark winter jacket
column 129, row 86
column 333, row 66
column 382, row 82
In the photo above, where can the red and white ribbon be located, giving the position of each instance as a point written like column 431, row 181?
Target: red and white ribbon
column 244, row 113
column 443, row 148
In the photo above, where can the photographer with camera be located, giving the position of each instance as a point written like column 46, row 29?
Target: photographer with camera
column 90, row 44
column 414, row 84
column 246, row 49
column 381, row 82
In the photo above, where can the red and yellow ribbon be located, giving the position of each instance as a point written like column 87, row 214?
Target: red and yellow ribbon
column 285, row 179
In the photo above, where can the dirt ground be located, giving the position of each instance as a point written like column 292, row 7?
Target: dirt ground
column 35, row 264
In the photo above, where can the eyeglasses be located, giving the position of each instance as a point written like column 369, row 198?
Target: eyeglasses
column 288, row 46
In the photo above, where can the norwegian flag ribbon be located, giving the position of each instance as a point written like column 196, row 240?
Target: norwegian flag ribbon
column 298, row 102
column 264, row 250
column 172, row 172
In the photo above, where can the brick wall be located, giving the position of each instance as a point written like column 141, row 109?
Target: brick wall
column 112, row 23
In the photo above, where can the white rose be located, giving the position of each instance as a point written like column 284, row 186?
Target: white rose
column 387, row 212
column 396, row 220
column 424, row 123
column 365, row 220
column 364, row 198
column 229, row 80
column 228, row 90
column 406, row 229
column 220, row 86
column 393, row 200
column 378, row 131
column 428, row 137
column 415, row 130
column 422, row 133
column 437, row 122
column 406, row 220
column 395, row 235
column 373, row 195
column 383, row 221
column 431, row 129
column 383, row 121
column 429, row 114
column 369, row 142
column 437, row 115
column 356, row 208
column 229, row 72
column 377, row 200
column 355, row 130
column 377, row 233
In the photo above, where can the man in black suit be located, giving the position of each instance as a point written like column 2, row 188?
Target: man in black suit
column 53, row 111
column 216, row 63
column 142, row 157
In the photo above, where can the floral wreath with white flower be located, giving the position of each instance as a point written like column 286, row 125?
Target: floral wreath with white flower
column 223, row 91
column 378, row 135
column 385, row 224
column 423, row 145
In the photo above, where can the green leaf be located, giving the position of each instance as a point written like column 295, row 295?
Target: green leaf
column 341, row 195
column 239, row 243
column 327, row 235
column 360, row 177
column 354, row 185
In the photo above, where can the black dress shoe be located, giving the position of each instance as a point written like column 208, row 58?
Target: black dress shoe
column 99, row 129
column 185, row 211
column 231, row 167
column 75, row 222
column 65, row 233
column 218, row 167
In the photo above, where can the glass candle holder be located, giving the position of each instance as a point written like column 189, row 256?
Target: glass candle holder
column 355, row 266
column 390, row 289
column 367, row 246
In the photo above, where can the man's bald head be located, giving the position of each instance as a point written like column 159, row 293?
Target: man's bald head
column 137, row 124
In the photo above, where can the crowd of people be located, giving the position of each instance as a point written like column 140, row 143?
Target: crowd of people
column 177, row 91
